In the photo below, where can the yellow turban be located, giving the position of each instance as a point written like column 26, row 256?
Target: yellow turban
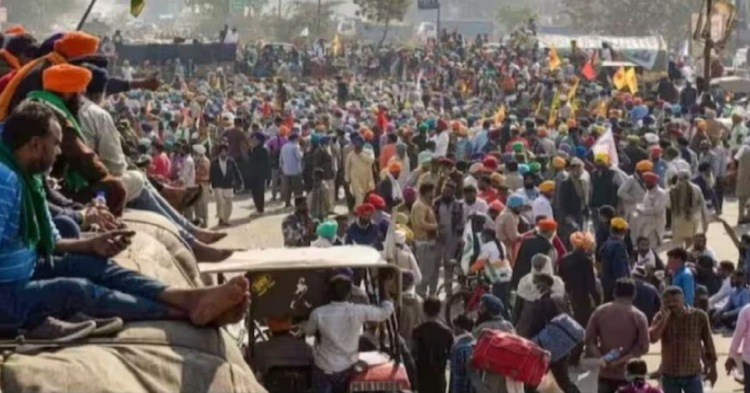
column 582, row 240
column 619, row 223
column 601, row 157
column 66, row 78
column 644, row 166
column 76, row 44
column 547, row 186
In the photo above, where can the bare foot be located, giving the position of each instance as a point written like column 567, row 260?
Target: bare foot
column 208, row 237
column 204, row 253
column 219, row 300
column 234, row 315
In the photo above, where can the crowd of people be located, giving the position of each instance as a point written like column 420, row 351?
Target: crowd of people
column 513, row 163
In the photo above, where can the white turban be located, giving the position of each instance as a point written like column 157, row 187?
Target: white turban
column 199, row 149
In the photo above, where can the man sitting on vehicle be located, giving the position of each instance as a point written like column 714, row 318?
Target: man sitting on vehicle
column 339, row 324
column 282, row 350
column 36, row 285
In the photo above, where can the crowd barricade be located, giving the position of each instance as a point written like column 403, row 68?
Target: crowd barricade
column 200, row 53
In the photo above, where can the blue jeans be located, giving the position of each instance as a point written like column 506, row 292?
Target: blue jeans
column 151, row 200
column 64, row 286
column 330, row 383
column 692, row 384
column 68, row 228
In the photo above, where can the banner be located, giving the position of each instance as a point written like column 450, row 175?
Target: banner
column 428, row 4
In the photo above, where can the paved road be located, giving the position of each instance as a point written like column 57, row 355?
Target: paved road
column 265, row 231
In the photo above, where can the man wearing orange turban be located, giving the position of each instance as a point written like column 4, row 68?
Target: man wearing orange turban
column 390, row 187
column 542, row 241
column 84, row 176
column 650, row 219
column 633, row 189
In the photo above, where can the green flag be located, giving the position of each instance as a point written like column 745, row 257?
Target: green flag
column 136, row 7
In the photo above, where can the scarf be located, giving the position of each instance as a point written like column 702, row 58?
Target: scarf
column 73, row 180
column 396, row 192
column 681, row 199
column 36, row 228
column 10, row 59
column 10, row 90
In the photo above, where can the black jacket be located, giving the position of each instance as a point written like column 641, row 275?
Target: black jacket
column 231, row 180
column 259, row 163
column 603, row 188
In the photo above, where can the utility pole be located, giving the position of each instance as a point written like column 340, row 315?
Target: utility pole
column 707, row 47
column 320, row 10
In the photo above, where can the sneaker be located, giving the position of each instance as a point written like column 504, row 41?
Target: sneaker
column 61, row 331
column 105, row 327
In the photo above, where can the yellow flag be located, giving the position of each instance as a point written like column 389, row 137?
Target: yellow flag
column 554, row 59
column 554, row 107
column 499, row 115
column 619, row 79
column 136, row 7
column 336, row 45
column 572, row 96
column 602, row 110
column 632, row 80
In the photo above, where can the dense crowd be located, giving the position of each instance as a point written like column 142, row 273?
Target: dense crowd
column 535, row 173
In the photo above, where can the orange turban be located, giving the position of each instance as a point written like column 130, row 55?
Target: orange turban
column 368, row 135
column 394, row 166
column 702, row 125
column 284, row 131
column 66, row 78
column 17, row 29
column 644, row 166
column 572, row 123
column 558, row 162
column 76, row 44
column 548, row 224
column 582, row 240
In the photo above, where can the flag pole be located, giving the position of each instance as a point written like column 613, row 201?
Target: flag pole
column 85, row 15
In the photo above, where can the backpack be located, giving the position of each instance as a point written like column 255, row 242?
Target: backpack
column 510, row 355
column 560, row 336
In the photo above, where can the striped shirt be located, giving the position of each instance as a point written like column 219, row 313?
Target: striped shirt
column 17, row 261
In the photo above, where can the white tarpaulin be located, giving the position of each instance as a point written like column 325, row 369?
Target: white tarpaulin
column 643, row 51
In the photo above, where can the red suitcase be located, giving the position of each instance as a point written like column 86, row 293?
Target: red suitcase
column 511, row 356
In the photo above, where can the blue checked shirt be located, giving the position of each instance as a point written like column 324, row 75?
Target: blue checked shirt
column 17, row 261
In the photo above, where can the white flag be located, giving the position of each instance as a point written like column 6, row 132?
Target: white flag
column 606, row 144
column 468, row 250
column 305, row 32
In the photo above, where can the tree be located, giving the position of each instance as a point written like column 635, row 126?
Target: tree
column 512, row 15
column 668, row 18
column 382, row 11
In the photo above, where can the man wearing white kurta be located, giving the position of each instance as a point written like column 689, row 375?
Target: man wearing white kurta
column 650, row 216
